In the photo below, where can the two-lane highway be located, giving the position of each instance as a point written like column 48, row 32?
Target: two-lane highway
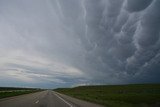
column 44, row 99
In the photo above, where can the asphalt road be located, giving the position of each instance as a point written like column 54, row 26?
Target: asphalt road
column 44, row 99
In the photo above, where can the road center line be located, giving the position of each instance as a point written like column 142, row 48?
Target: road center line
column 37, row 101
column 63, row 100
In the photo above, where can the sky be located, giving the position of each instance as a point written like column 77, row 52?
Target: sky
column 67, row 43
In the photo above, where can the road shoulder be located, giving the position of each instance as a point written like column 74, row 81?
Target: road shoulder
column 77, row 102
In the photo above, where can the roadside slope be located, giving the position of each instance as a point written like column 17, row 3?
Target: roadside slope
column 134, row 95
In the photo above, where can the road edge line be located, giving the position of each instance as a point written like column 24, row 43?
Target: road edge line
column 62, row 99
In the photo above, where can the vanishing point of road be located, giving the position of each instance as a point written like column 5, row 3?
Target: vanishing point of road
column 44, row 99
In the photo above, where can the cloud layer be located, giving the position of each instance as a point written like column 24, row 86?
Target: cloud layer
column 59, row 43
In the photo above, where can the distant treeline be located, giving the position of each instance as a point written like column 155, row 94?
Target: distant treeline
column 17, row 88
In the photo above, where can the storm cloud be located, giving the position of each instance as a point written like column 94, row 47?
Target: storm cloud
column 59, row 43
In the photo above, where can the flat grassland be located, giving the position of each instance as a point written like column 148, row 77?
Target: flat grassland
column 9, row 91
column 133, row 95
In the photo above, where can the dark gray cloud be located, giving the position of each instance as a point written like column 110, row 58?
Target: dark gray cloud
column 137, row 5
column 73, row 42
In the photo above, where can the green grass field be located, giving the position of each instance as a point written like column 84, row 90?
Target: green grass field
column 135, row 95
column 9, row 91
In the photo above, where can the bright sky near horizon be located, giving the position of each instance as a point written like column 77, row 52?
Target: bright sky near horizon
column 64, row 43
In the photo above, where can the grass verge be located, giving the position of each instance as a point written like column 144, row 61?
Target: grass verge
column 11, row 91
column 135, row 95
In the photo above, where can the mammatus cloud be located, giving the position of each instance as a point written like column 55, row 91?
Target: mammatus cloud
column 55, row 43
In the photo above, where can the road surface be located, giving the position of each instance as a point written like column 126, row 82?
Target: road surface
column 44, row 99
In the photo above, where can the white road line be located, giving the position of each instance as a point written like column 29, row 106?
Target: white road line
column 37, row 101
column 63, row 100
